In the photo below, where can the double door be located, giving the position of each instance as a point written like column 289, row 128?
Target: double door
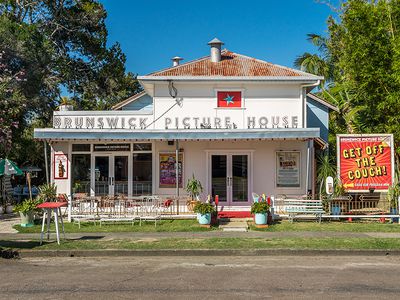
column 110, row 174
column 230, row 178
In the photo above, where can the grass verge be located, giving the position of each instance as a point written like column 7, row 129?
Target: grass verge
column 333, row 226
column 213, row 243
column 162, row 226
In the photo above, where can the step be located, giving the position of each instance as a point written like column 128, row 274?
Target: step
column 235, row 229
column 233, row 225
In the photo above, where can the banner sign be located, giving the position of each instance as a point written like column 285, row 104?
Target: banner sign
column 365, row 162
column 60, row 166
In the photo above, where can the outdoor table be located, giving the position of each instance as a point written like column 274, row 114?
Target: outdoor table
column 48, row 208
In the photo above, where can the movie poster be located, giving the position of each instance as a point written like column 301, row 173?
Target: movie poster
column 168, row 171
column 365, row 162
column 288, row 169
column 60, row 169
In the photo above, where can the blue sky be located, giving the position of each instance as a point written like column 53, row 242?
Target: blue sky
column 152, row 32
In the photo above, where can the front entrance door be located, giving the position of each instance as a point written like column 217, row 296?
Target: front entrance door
column 230, row 178
column 110, row 174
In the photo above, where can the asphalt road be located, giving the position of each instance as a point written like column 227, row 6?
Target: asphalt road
column 230, row 277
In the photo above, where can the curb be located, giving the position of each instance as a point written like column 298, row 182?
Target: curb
column 196, row 252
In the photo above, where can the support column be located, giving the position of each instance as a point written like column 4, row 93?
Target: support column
column 177, row 174
column 46, row 163
column 308, row 166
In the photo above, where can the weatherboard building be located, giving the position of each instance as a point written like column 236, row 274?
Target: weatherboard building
column 238, row 124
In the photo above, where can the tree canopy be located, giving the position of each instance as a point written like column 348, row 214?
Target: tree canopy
column 360, row 58
column 51, row 46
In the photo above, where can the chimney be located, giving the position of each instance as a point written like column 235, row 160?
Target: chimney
column 176, row 60
column 215, row 45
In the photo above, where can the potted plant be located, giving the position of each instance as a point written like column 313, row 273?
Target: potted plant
column 26, row 210
column 194, row 189
column 48, row 192
column 204, row 211
column 9, row 207
column 1, row 206
column 65, row 104
column 260, row 210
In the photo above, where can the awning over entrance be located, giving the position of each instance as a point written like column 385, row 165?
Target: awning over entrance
column 180, row 134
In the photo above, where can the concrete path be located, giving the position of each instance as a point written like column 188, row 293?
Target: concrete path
column 7, row 221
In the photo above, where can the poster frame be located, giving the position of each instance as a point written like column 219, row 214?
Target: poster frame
column 387, row 135
column 159, row 169
column 65, row 157
column 277, row 169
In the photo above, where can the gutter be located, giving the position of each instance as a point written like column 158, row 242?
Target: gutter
column 311, row 79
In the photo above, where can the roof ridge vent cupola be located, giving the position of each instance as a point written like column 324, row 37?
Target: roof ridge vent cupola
column 176, row 61
column 215, row 53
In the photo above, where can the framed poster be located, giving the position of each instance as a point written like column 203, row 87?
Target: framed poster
column 167, row 169
column 60, row 166
column 365, row 162
column 288, row 169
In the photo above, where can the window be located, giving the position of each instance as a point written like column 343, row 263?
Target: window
column 142, row 147
column 81, row 147
column 80, row 173
column 142, row 173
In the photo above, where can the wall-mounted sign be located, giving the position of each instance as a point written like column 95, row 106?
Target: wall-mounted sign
column 181, row 122
column 229, row 99
column 60, row 166
column 168, row 171
column 288, row 169
column 365, row 162
column 111, row 147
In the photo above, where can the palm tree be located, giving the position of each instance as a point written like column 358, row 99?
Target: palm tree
column 347, row 118
column 318, row 64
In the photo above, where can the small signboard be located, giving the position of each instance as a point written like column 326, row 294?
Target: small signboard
column 329, row 185
column 365, row 162
column 60, row 166
column 111, row 147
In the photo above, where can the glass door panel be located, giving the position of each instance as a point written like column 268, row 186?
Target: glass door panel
column 219, row 177
column 142, row 174
column 102, row 175
column 240, row 178
column 120, row 178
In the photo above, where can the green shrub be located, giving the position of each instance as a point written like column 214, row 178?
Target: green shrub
column 48, row 192
column 26, row 206
column 203, row 208
column 260, row 208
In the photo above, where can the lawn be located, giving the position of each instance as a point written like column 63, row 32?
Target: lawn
column 193, row 226
column 213, row 243
column 335, row 226
column 162, row 226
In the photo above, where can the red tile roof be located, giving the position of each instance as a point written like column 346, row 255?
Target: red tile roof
column 231, row 64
